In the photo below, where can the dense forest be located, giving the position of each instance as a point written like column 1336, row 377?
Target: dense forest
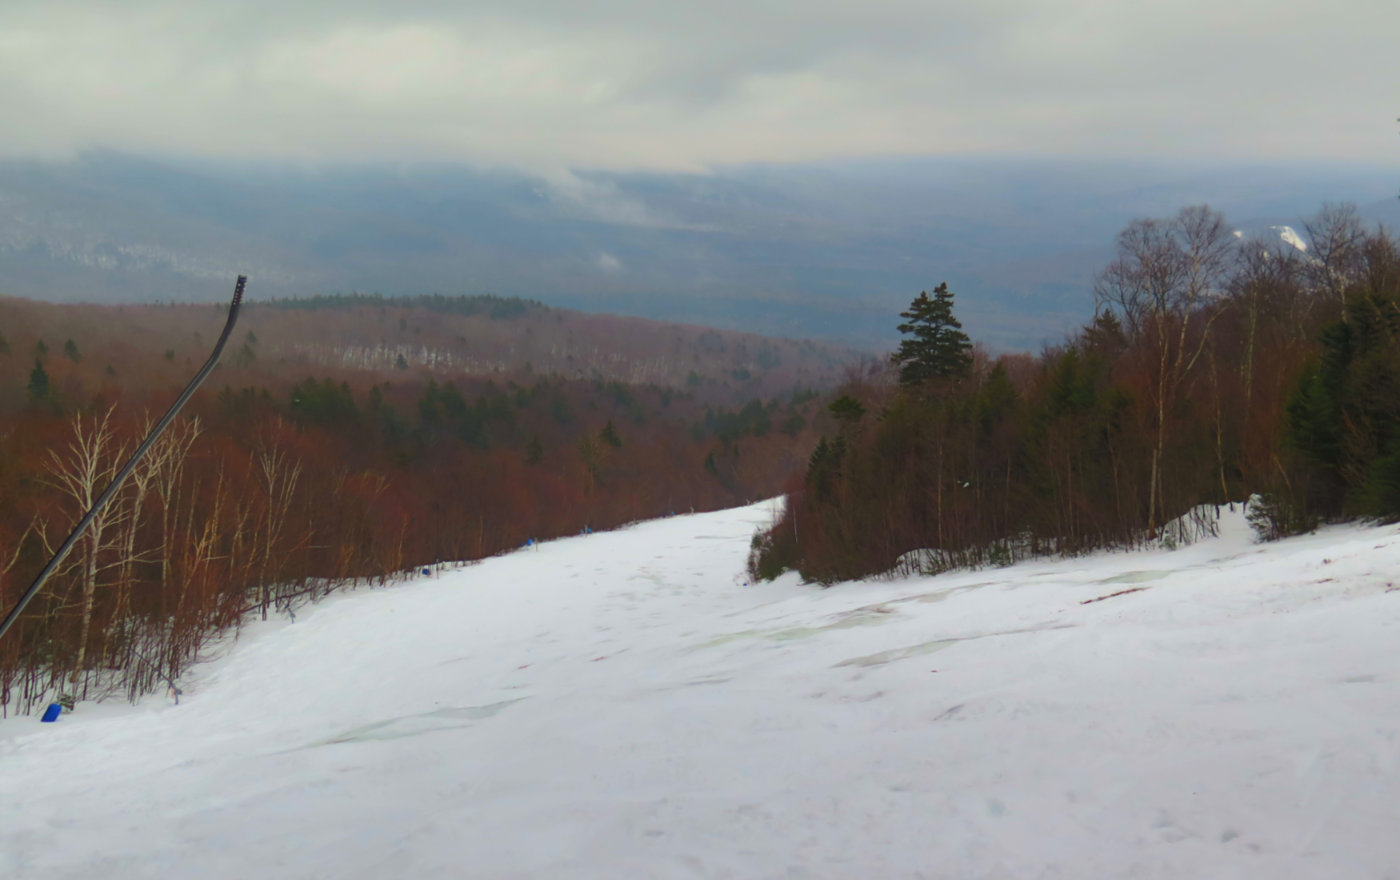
column 343, row 441
column 1217, row 369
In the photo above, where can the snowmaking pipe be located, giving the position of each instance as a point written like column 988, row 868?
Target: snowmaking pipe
column 131, row 463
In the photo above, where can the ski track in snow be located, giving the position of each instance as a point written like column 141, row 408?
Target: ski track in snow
column 625, row 705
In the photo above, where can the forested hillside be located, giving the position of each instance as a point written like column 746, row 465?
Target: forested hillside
column 429, row 335
column 1218, row 367
column 344, row 440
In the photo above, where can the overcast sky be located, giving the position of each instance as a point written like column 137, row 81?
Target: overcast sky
column 623, row 84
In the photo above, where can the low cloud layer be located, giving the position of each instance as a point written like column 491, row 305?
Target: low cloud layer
column 554, row 84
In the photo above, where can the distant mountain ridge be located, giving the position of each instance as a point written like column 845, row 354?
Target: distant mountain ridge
column 832, row 250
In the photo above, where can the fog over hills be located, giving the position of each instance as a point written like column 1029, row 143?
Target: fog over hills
column 832, row 249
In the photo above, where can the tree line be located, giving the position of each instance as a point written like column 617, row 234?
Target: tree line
column 1218, row 368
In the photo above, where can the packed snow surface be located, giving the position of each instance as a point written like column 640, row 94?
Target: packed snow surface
column 624, row 705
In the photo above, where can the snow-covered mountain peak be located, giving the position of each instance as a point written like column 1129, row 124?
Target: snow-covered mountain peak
column 1288, row 235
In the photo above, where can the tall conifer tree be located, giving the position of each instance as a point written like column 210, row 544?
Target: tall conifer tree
column 38, row 382
column 938, row 348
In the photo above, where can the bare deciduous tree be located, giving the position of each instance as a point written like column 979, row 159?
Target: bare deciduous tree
column 1166, row 285
column 277, row 476
column 81, row 473
column 1267, row 288
column 1335, row 239
column 170, row 455
column 36, row 525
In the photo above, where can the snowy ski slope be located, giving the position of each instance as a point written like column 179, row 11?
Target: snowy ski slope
column 625, row 705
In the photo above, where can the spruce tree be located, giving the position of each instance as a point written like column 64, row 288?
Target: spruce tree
column 846, row 410
column 38, row 383
column 938, row 348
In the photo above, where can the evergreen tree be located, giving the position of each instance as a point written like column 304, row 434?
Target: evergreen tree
column 846, row 410
column 1105, row 333
column 824, row 467
column 70, row 351
column 938, row 348
column 1344, row 417
column 38, row 382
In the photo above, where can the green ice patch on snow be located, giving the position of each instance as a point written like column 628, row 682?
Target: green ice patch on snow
column 1135, row 577
column 883, row 657
column 451, row 718
column 869, row 615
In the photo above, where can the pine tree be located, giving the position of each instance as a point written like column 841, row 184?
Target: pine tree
column 939, row 349
column 846, row 410
column 38, row 382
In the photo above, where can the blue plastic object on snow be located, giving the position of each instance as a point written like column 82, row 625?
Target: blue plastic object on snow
column 51, row 713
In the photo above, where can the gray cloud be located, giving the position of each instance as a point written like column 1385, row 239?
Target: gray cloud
column 646, row 85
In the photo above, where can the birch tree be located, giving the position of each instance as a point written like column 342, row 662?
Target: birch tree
column 82, row 472
column 171, row 453
column 1165, row 284
column 277, row 475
